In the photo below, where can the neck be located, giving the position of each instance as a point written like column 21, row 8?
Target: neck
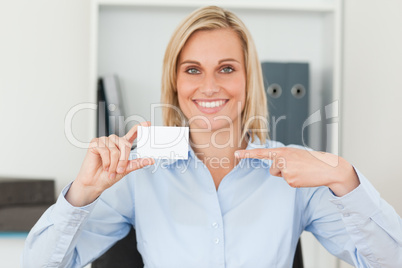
column 216, row 150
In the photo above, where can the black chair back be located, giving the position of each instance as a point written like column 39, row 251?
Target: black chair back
column 124, row 254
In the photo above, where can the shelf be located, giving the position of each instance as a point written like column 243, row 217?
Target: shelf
column 303, row 31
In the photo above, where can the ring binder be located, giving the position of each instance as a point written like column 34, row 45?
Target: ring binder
column 287, row 88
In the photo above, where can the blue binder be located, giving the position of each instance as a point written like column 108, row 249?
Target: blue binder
column 287, row 88
column 274, row 74
column 297, row 100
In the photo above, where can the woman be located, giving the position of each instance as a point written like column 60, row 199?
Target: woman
column 225, row 206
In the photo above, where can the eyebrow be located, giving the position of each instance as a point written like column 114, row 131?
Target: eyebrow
column 197, row 63
column 229, row 59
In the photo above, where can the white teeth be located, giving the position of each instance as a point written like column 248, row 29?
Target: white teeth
column 211, row 104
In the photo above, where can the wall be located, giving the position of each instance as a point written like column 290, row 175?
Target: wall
column 372, row 93
column 44, row 72
column 371, row 103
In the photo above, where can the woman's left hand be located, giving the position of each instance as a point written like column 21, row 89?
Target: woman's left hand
column 303, row 168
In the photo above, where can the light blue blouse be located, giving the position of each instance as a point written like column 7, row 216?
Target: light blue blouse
column 253, row 220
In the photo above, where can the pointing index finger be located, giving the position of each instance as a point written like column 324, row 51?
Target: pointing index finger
column 257, row 153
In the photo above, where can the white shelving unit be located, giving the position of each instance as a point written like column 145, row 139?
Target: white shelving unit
column 129, row 38
column 123, row 31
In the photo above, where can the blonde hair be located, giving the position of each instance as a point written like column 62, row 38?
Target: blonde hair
column 255, row 113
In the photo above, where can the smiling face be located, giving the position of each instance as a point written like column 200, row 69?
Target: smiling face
column 211, row 79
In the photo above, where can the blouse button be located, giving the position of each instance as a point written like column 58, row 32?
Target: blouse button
column 215, row 225
column 216, row 240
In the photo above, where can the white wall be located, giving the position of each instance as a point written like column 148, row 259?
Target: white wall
column 372, row 93
column 44, row 70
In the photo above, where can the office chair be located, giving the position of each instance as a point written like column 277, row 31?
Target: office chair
column 124, row 254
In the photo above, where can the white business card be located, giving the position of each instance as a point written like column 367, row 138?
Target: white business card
column 162, row 142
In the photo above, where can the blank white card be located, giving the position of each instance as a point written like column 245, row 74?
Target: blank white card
column 162, row 142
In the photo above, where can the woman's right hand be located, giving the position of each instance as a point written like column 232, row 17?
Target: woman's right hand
column 105, row 163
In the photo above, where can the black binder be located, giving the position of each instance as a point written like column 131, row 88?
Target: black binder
column 110, row 112
column 102, row 115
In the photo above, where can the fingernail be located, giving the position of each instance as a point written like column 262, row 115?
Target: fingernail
column 107, row 169
column 112, row 176
column 237, row 154
column 120, row 170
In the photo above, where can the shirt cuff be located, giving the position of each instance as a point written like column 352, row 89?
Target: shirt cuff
column 360, row 204
column 66, row 217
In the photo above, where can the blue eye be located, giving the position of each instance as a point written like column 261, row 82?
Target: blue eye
column 227, row 70
column 192, row 71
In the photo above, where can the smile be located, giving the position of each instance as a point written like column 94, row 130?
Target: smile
column 210, row 106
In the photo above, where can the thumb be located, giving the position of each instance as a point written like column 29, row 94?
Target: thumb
column 132, row 133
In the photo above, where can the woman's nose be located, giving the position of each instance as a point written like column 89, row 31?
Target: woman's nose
column 209, row 85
